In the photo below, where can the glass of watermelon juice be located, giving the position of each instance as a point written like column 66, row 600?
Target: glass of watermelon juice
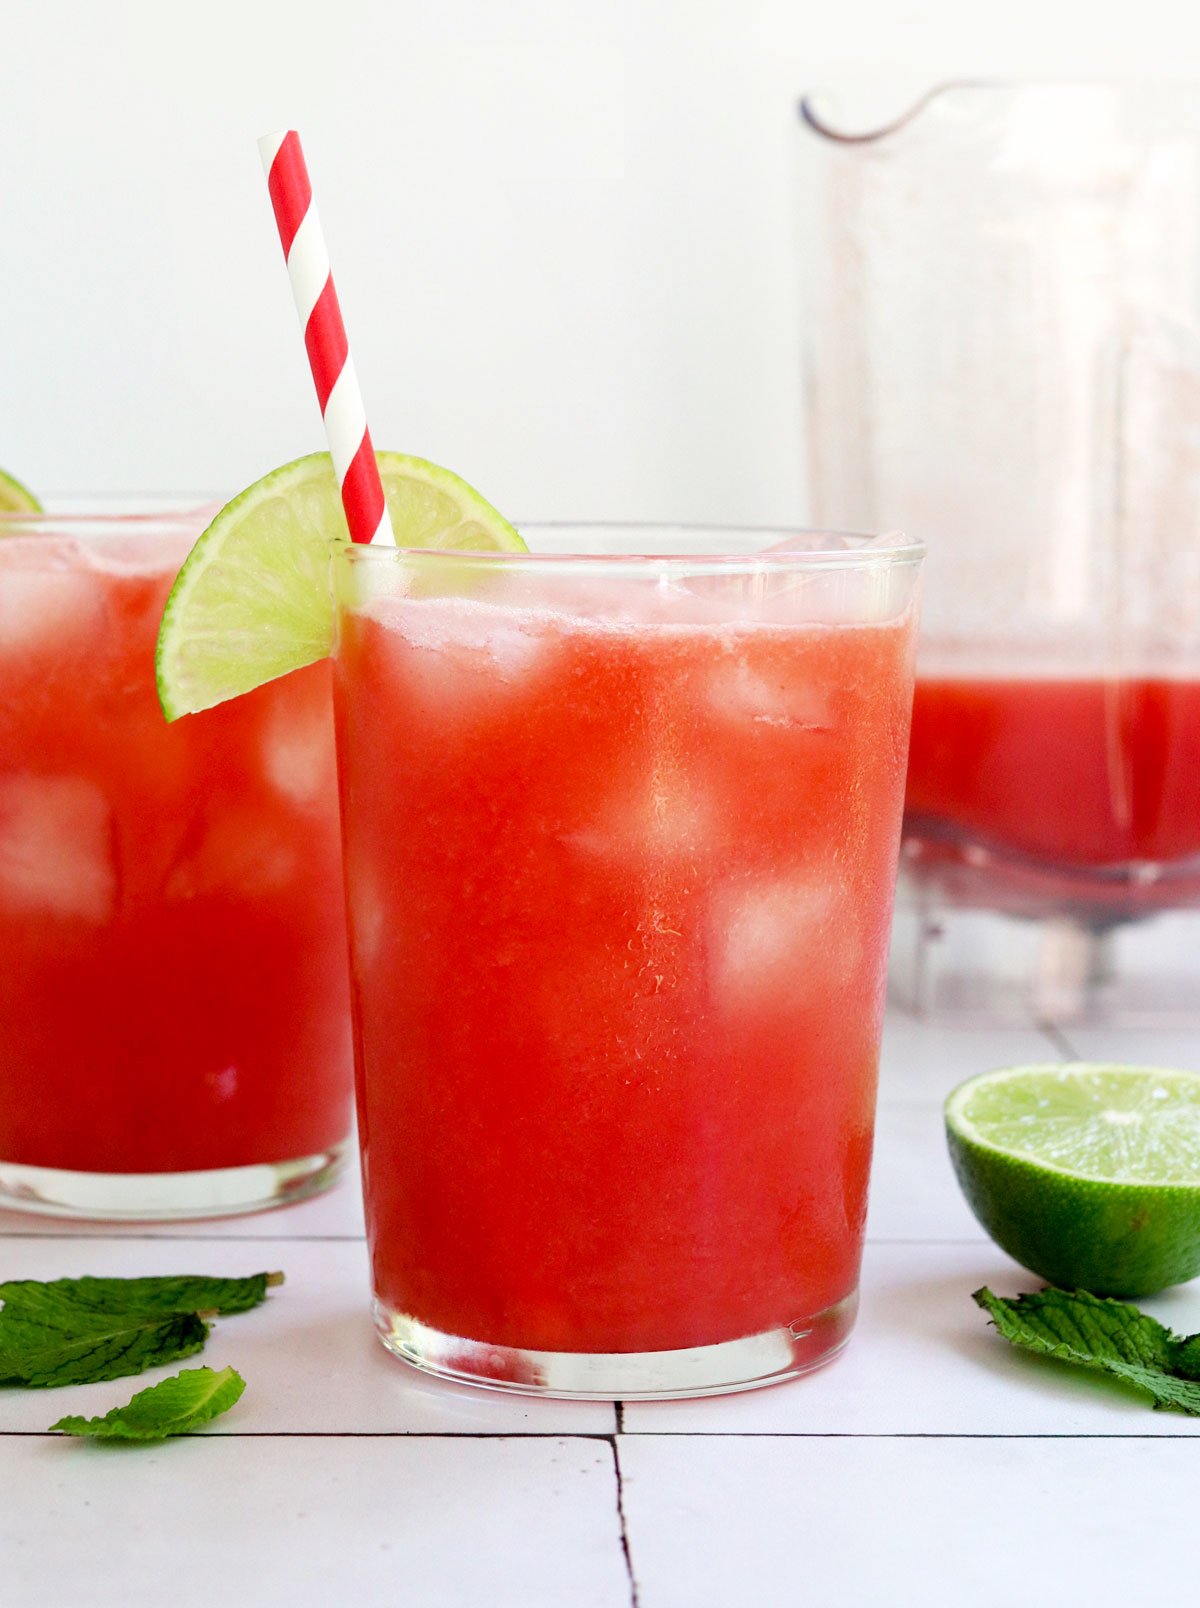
column 174, row 1024
column 620, row 838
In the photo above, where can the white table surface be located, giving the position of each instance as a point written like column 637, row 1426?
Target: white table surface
column 929, row 1464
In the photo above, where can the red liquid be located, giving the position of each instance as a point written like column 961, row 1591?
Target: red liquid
column 172, row 972
column 1071, row 773
column 619, row 914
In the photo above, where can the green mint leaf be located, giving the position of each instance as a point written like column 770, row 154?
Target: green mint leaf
column 175, row 1407
column 1187, row 1358
column 1107, row 1335
column 46, row 1339
column 185, row 1294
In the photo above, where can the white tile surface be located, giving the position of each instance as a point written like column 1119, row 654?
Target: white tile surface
column 914, row 1194
column 909, row 1523
column 924, row 1060
column 309, row 1354
column 924, row 1360
column 527, row 1523
column 344, row 1477
column 1176, row 1047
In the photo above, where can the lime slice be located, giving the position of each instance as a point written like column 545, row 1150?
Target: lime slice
column 16, row 498
column 253, row 600
column 1088, row 1175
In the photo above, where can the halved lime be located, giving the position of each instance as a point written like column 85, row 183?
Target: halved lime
column 1088, row 1175
column 253, row 599
column 16, row 498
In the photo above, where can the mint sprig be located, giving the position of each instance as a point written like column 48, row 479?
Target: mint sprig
column 81, row 1331
column 176, row 1406
column 50, row 1342
column 189, row 1293
column 1109, row 1336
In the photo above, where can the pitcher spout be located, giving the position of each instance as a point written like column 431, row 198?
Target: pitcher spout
column 820, row 113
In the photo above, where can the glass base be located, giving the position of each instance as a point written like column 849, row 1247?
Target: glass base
column 168, row 1197
column 746, row 1364
column 957, row 961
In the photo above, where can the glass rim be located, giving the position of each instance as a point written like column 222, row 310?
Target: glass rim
column 16, row 525
column 855, row 551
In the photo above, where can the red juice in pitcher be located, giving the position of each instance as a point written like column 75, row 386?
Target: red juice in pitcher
column 1062, row 773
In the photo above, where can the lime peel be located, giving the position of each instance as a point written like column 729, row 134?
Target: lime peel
column 16, row 498
column 1088, row 1174
column 254, row 601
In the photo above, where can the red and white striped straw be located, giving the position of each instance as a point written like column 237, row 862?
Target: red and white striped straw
column 325, row 338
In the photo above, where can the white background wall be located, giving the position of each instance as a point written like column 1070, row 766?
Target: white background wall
column 566, row 233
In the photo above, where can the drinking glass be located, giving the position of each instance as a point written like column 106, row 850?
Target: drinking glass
column 174, row 1018
column 620, row 819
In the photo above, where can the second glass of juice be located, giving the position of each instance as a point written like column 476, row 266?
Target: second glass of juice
column 620, row 838
column 174, row 1014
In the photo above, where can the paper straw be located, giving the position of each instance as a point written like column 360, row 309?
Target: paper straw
column 325, row 338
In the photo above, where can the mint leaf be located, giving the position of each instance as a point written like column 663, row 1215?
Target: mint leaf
column 1107, row 1335
column 46, row 1339
column 173, row 1407
column 185, row 1294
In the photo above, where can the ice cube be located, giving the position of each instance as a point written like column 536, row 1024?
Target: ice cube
column 368, row 913
column 298, row 750
column 143, row 552
column 666, row 816
column 222, row 1083
column 769, row 936
column 56, row 848
column 48, row 603
column 457, row 651
column 505, row 639
column 755, row 694
column 241, row 854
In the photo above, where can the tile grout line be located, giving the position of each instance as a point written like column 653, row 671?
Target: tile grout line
column 361, row 1434
column 626, row 1553
column 655, row 1434
column 907, row 1434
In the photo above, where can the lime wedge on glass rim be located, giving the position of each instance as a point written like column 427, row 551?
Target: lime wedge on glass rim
column 1086, row 1174
column 254, row 600
column 16, row 498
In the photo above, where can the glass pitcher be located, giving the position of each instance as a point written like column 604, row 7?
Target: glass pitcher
column 1004, row 359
